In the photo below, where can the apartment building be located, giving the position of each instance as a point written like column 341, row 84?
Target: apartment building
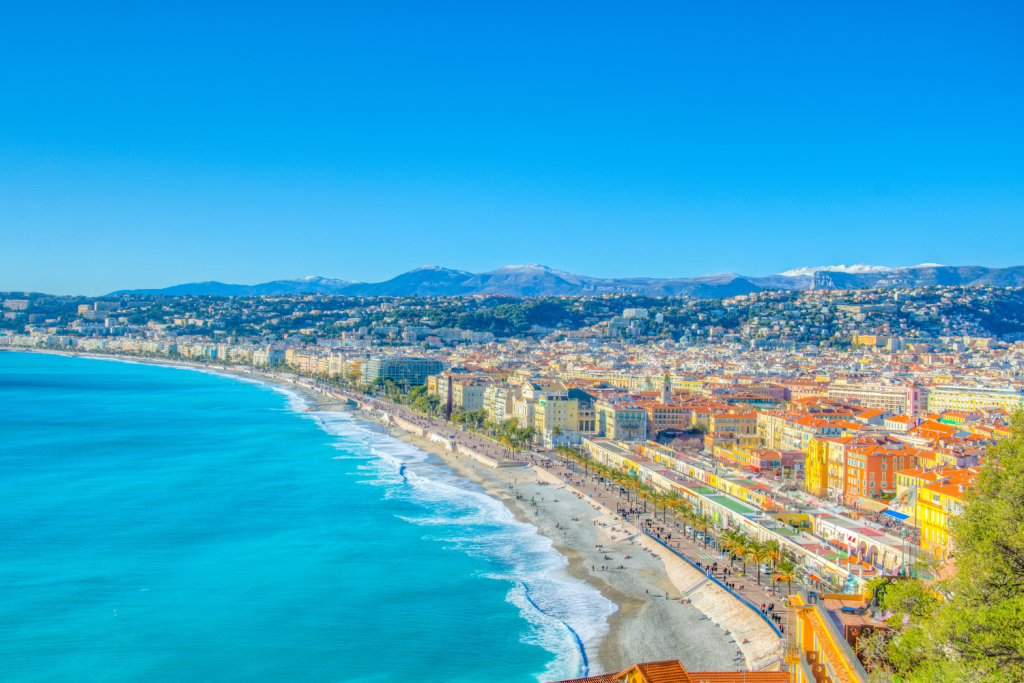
column 556, row 411
column 939, row 497
column 736, row 423
column 967, row 398
column 897, row 399
column 620, row 421
column 468, row 395
column 400, row 369
column 851, row 475
column 871, row 469
column 586, row 416
column 498, row 401
column 662, row 416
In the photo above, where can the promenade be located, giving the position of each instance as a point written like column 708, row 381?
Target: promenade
column 443, row 433
column 689, row 565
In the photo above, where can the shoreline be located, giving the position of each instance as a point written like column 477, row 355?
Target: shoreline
column 649, row 623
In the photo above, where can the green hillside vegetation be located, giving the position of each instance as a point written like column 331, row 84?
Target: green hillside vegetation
column 970, row 626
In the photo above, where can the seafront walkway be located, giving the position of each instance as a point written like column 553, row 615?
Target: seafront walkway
column 446, row 435
column 689, row 566
column 699, row 573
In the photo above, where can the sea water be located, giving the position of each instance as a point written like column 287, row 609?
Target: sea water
column 164, row 524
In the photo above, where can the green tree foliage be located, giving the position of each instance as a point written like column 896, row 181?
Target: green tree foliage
column 517, row 318
column 969, row 627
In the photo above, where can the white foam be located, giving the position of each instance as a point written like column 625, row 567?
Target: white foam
column 563, row 612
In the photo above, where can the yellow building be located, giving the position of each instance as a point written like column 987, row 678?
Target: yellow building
column 556, row 411
column 937, row 504
column 816, row 467
column 940, row 497
column 737, row 423
column 966, row 398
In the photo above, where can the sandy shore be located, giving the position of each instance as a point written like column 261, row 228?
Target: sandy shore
column 651, row 622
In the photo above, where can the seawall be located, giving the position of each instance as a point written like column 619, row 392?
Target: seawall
column 754, row 637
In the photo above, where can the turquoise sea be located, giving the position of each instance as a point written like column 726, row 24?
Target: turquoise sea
column 164, row 524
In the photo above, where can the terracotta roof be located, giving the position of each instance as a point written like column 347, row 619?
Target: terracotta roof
column 739, row 677
column 603, row 678
column 667, row 671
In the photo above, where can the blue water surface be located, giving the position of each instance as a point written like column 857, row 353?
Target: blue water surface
column 163, row 524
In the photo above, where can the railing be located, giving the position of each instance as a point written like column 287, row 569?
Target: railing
column 839, row 639
column 739, row 597
column 764, row 665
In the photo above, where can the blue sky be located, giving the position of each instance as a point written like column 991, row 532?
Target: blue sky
column 149, row 144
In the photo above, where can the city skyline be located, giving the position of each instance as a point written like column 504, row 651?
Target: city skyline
column 161, row 146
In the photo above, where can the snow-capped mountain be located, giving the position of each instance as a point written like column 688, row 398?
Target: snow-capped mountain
column 856, row 269
column 538, row 280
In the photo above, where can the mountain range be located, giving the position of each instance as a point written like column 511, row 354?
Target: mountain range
column 536, row 280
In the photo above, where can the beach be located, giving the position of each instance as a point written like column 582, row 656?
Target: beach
column 651, row 621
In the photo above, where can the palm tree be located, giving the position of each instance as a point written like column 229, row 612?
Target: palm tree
column 725, row 541
column 645, row 492
column 773, row 549
column 658, row 502
column 741, row 548
column 670, row 500
column 703, row 521
column 683, row 511
column 759, row 554
column 786, row 571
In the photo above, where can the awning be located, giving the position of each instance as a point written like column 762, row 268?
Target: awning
column 874, row 505
column 895, row 515
column 814, row 577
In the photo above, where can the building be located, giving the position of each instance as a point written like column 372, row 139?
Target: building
column 400, row 369
column 499, row 401
column 620, row 421
column 965, row 398
column 937, row 497
column 737, row 423
column 816, row 466
column 556, row 411
column 468, row 395
column 871, row 468
column 662, row 416
column 672, row 671
column 897, row 398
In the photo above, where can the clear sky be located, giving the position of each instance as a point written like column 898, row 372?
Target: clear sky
column 151, row 144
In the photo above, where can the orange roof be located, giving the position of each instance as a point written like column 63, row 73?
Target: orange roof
column 672, row 671
column 739, row 677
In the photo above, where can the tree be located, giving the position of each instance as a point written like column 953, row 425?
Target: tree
column 773, row 552
column 703, row 521
column 741, row 548
column 786, row 571
column 759, row 554
column 976, row 632
column 683, row 511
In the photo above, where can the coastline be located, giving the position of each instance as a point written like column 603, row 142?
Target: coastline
column 650, row 622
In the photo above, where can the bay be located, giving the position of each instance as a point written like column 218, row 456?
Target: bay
column 164, row 524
